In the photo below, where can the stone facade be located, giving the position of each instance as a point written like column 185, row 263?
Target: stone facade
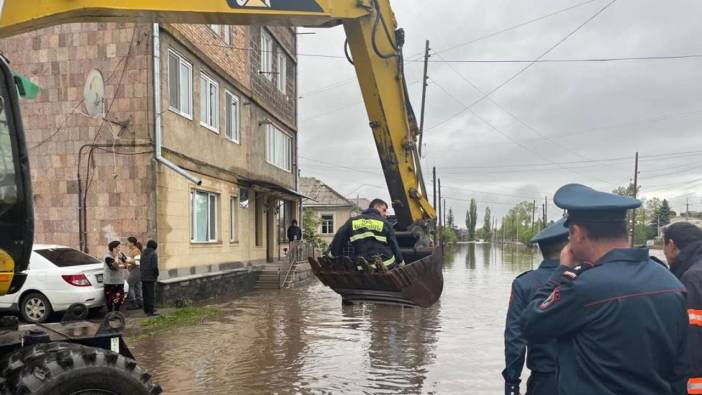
column 111, row 163
column 60, row 136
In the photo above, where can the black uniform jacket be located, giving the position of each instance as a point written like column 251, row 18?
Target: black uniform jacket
column 367, row 243
column 149, row 265
column 688, row 268
column 621, row 326
column 541, row 356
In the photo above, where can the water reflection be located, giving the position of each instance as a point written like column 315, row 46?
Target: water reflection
column 303, row 341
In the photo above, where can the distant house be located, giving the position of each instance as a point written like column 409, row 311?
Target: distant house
column 332, row 208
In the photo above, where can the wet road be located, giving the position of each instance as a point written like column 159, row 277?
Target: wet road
column 303, row 341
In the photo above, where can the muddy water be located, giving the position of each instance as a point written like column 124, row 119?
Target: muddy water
column 303, row 341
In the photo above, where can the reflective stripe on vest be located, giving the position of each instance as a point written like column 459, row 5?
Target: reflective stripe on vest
column 389, row 262
column 694, row 385
column 366, row 223
column 367, row 235
column 695, row 317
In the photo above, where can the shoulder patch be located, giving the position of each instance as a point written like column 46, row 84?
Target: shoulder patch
column 552, row 299
column 526, row 272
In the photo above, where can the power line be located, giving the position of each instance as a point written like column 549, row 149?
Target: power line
column 576, row 60
column 528, row 66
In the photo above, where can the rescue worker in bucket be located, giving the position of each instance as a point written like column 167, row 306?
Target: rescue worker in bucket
column 370, row 235
column 620, row 318
column 540, row 357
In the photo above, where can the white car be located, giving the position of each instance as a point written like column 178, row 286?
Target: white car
column 57, row 277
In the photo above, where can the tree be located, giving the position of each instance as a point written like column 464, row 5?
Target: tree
column 517, row 223
column 310, row 224
column 665, row 212
column 487, row 224
column 472, row 219
column 450, row 219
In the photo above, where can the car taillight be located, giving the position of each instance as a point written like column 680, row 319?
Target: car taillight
column 79, row 280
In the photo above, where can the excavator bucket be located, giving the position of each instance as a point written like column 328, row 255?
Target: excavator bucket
column 418, row 283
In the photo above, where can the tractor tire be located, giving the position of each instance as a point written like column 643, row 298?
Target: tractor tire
column 67, row 368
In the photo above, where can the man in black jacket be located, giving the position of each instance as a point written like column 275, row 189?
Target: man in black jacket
column 149, row 275
column 683, row 250
column 294, row 232
column 371, row 236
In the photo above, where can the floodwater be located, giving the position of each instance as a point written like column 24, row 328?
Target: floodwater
column 303, row 341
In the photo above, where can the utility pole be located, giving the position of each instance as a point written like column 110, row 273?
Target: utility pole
column 516, row 228
column 545, row 210
column 433, row 172
column 443, row 210
column 636, row 187
column 533, row 216
column 687, row 208
column 424, row 96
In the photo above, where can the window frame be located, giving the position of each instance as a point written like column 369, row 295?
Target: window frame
column 266, row 53
column 209, row 216
column 233, row 219
column 227, row 35
column 282, row 77
column 271, row 158
column 182, row 61
column 236, row 131
column 210, row 82
column 321, row 224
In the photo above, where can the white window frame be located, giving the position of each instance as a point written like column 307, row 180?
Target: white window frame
column 273, row 157
column 282, row 66
column 205, row 105
column 233, row 218
column 211, row 238
column 233, row 124
column 182, row 63
column 216, row 29
column 266, row 54
column 321, row 224
column 227, row 35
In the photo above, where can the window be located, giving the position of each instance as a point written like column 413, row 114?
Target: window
column 266, row 55
column 227, row 35
column 232, row 130
column 209, row 103
column 217, row 29
column 204, row 216
column 282, row 80
column 233, row 206
column 180, row 85
column 278, row 148
column 244, row 197
column 327, row 224
column 66, row 257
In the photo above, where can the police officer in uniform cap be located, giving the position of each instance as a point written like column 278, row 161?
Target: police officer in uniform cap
column 371, row 237
column 540, row 357
column 620, row 319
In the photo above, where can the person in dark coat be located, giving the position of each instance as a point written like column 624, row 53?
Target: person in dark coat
column 540, row 357
column 149, row 275
column 294, row 232
column 371, row 236
column 683, row 251
column 620, row 319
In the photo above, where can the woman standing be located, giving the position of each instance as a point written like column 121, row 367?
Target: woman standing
column 113, row 280
column 135, row 299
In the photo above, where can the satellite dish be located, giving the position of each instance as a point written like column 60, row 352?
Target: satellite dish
column 94, row 94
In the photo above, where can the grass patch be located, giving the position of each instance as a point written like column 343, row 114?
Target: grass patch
column 180, row 317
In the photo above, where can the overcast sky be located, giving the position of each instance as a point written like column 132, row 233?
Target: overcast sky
column 555, row 123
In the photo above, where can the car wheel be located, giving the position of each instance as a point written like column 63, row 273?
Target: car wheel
column 35, row 307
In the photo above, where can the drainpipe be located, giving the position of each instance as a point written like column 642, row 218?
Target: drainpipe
column 157, row 112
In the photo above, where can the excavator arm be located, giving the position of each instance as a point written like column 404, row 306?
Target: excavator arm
column 375, row 45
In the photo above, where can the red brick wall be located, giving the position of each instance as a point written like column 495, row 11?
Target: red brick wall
column 58, row 59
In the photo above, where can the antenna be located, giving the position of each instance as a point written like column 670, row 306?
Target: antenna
column 94, row 94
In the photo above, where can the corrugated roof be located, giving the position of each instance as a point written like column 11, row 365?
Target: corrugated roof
column 320, row 194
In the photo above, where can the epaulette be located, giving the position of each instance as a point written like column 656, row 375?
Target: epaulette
column 658, row 261
column 526, row 272
column 573, row 273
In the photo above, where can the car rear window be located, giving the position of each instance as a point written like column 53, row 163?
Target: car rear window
column 64, row 257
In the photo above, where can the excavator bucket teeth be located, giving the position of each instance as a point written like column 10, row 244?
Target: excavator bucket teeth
column 419, row 283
